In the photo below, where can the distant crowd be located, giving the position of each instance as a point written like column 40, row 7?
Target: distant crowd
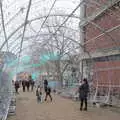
column 26, row 84
column 29, row 85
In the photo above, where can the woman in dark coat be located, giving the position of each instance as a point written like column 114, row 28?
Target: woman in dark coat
column 83, row 93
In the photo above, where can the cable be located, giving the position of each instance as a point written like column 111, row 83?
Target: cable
column 46, row 17
column 13, row 17
column 30, row 1
column 3, row 25
column 25, row 24
column 41, row 25
column 66, row 19
column 20, row 26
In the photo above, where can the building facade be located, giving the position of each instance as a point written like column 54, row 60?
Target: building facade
column 101, row 40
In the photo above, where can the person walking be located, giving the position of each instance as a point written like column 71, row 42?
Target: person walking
column 31, row 82
column 48, row 93
column 28, row 82
column 28, row 85
column 32, row 85
column 17, row 86
column 23, row 85
column 83, row 94
column 45, row 85
column 39, row 94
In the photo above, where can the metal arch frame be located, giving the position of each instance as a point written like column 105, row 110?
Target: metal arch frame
column 46, row 34
column 65, row 53
column 24, row 30
column 88, row 21
column 29, row 21
column 26, row 18
column 74, row 41
column 44, row 27
column 32, row 20
column 42, row 34
column 60, row 35
column 3, row 24
column 81, row 2
column 43, row 17
column 46, row 39
column 13, row 17
column 104, row 32
column 75, row 30
column 59, row 26
column 47, row 16
column 63, row 27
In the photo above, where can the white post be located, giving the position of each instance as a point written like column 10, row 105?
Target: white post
column 82, row 36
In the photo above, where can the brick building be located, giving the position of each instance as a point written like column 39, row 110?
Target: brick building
column 101, row 39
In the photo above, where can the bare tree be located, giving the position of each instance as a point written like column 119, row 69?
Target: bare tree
column 60, row 46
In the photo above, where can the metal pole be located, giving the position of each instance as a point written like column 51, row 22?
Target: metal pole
column 82, row 15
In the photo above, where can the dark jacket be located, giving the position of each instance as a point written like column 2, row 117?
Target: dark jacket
column 83, row 91
column 23, row 83
column 45, row 85
column 45, row 82
column 32, row 82
column 17, row 84
column 48, row 91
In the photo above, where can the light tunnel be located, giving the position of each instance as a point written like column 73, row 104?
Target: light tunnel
column 85, row 35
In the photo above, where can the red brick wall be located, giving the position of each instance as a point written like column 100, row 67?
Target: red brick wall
column 108, row 76
column 106, row 21
column 92, row 6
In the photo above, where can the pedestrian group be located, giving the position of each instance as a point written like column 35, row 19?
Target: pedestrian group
column 27, row 84
column 83, row 91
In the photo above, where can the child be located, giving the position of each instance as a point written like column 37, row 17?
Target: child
column 39, row 94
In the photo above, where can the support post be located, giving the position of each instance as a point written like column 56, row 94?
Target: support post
column 82, row 37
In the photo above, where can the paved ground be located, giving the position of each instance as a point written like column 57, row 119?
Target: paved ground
column 59, row 109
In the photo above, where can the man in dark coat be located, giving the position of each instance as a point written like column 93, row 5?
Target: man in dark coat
column 28, row 85
column 48, row 93
column 32, row 85
column 28, row 82
column 17, row 86
column 23, row 85
column 83, row 93
column 45, row 85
